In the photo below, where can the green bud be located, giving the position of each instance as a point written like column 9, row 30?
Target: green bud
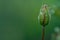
column 44, row 15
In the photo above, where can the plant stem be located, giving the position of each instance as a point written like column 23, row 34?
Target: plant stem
column 43, row 32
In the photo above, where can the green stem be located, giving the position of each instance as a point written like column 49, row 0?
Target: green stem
column 43, row 32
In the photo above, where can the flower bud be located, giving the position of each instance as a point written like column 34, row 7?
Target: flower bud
column 44, row 15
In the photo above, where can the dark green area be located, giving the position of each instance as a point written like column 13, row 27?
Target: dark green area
column 19, row 19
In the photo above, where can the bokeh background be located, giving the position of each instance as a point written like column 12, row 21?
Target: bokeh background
column 19, row 19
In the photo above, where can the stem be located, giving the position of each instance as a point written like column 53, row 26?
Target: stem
column 43, row 32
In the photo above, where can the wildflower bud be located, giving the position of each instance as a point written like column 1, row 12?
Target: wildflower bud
column 44, row 15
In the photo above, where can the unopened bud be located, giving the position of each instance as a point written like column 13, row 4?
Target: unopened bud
column 44, row 15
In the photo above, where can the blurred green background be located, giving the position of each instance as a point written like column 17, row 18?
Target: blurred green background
column 19, row 19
